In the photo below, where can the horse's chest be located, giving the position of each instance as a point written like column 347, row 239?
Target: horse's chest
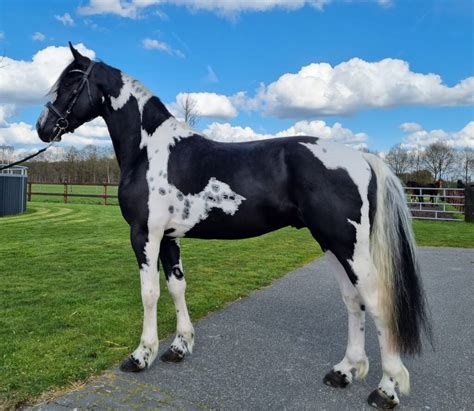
column 169, row 207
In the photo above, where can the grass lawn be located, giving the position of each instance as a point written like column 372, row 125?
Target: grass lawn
column 70, row 298
column 69, row 289
column 444, row 233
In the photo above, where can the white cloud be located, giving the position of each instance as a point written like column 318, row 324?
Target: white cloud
column 354, row 85
column 6, row 111
column 66, row 19
column 420, row 138
column 38, row 36
column 153, row 44
column 211, row 76
column 2, row 35
column 410, row 127
column 26, row 82
column 94, row 132
column 316, row 128
column 18, row 133
column 121, row 8
column 243, row 102
column 227, row 8
column 207, row 105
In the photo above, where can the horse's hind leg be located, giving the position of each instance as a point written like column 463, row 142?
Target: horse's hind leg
column 394, row 372
column 355, row 357
column 372, row 291
column 173, row 268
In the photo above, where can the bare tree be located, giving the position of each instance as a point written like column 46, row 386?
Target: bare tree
column 415, row 158
column 467, row 163
column 399, row 159
column 188, row 106
column 6, row 153
column 438, row 158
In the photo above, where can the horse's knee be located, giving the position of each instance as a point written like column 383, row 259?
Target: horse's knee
column 352, row 302
column 176, row 287
column 150, row 297
column 150, row 287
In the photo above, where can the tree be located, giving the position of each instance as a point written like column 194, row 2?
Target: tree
column 398, row 159
column 467, row 163
column 188, row 106
column 438, row 158
column 6, row 154
column 415, row 158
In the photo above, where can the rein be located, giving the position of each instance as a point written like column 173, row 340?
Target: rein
column 62, row 122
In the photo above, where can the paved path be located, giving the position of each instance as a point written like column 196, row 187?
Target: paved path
column 271, row 350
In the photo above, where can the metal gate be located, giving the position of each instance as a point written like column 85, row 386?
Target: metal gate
column 427, row 203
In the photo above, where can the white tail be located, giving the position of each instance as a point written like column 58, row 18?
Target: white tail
column 394, row 257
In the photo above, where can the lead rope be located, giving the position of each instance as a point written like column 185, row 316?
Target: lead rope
column 28, row 158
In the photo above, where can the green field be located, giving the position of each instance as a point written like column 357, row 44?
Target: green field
column 69, row 289
column 72, row 189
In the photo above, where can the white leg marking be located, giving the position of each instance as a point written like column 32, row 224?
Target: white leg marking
column 184, row 340
column 147, row 350
column 394, row 372
column 355, row 357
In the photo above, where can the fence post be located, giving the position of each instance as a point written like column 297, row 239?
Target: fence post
column 65, row 191
column 105, row 193
column 469, row 204
column 29, row 191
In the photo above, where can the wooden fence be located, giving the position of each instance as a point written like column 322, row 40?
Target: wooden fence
column 66, row 193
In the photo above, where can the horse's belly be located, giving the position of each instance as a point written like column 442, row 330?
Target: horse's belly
column 219, row 225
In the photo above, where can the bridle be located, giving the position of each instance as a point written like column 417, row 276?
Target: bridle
column 62, row 123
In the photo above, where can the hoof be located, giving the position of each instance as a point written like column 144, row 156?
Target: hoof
column 336, row 379
column 378, row 399
column 171, row 355
column 131, row 365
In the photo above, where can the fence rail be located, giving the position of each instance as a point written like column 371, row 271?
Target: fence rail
column 442, row 204
column 66, row 193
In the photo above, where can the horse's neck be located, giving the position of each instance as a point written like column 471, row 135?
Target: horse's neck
column 133, row 115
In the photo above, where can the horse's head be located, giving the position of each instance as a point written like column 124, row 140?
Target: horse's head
column 76, row 99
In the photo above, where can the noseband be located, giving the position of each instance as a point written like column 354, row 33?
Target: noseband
column 62, row 123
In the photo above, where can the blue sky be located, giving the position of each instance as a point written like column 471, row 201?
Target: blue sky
column 224, row 48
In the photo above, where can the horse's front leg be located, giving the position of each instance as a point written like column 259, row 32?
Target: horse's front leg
column 173, row 268
column 146, row 246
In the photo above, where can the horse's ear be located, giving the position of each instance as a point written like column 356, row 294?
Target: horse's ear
column 77, row 56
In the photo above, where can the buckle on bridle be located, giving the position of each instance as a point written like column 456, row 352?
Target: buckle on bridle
column 62, row 123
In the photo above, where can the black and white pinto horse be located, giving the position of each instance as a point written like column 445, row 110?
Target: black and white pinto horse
column 177, row 183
